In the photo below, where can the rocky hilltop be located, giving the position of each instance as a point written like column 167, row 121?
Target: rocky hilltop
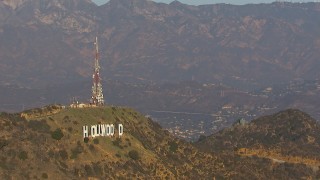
column 48, row 143
column 288, row 139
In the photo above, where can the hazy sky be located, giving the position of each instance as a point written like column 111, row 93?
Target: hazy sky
column 197, row 2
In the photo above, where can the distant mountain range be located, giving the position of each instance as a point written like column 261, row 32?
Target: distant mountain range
column 44, row 42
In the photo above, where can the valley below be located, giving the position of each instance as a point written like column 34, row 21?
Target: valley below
column 187, row 109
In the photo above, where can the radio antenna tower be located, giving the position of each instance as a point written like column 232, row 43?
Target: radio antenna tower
column 97, row 93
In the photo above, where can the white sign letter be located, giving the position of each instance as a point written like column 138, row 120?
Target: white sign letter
column 108, row 130
column 85, row 131
column 99, row 130
column 120, row 129
column 111, row 130
column 94, row 131
column 103, row 129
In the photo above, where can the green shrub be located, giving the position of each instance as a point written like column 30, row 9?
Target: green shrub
column 23, row 155
column 118, row 155
column 77, row 150
column 51, row 154
column 91, row 147
column 44, row 175
column 97, row 169
column 40, row 126
column 201, row 138
column 96, row 141
column 89, row 170
column 57, row 134
column 173, row 146
column 86, row 140
column 70, row 129
column 3, row 143
column 133, row 154
column 74, row 155
column 63, row 154
column 117, row 142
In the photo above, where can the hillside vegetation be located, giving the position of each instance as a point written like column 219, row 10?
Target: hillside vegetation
column 286, row 140
column 52, row 145
column 48, row 143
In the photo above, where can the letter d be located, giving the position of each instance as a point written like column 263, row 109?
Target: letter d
column 120, row 130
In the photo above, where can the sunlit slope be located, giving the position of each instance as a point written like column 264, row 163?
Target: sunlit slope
column 284, row 145
column 49, row 143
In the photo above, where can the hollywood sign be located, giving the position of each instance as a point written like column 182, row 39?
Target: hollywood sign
column 101, row 130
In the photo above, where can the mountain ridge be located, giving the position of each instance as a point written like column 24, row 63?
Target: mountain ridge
column 278, row 39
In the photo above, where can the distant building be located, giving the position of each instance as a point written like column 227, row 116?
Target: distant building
column 227, row 106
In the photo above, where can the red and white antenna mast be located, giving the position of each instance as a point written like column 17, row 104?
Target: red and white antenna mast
column 97, row 93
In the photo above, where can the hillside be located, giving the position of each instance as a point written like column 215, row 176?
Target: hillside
column 288, row 139
column 48, row 143
column 284, row 129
